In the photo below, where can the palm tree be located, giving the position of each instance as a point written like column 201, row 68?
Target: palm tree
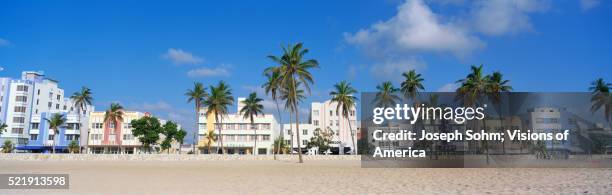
column 82, row 100
column 496, row 86
column 217, row 102
column 114, row 115
column 180, row 138
column 3, row 127
column 287, row 95
column 600, row 86
column 73, row 147
column 197, row 95
column 413, row 82
column 471, row 92
column 272, row 88
column 601, row 98
column 211, row 137
column 252, row 107
column 343, row 96
column 293, row 69
column 56, row 122
column 386, row 96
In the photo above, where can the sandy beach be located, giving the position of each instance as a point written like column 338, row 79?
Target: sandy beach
column 312, row 177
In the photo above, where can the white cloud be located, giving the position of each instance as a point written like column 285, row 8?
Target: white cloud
column 589, row 4
column 178, row 56
column 4, row 42
column 500, row 17
column 209, row 72
column 449, row 87
column 393, row 68
column 158, row 106
column 415, row 28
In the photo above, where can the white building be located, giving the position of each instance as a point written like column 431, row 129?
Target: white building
column 326, row 116
column 24, row 101
column 237, row 132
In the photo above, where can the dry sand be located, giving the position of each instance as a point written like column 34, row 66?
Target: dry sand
column 312, row 177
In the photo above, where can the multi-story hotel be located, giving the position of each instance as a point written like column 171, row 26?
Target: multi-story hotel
column 106, row 138
column 237, row 133
column 325, row 116
column 26, row 102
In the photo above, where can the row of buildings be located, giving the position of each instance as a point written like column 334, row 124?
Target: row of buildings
column 25, row 103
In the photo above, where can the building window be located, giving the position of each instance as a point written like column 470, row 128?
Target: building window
column 304, row 131
column 315, row 112
column 59, row 97
column 315, row 122
column 243, row 126
column 288, row 142
column 49, row 104
column 289, row 132
column 252, row 137
column 23, row 88
column 331, row 113
column 337, row 123
column 51, row 137
column 34, row 125
column 21, row 109
column 128, row 136
column 266, row 138
column 33, row 136
column 18, row 119
column 57, row 106
column 266, row 126
column 304, row 142
column 17, row 131
column 38, row 93
column 37, row 100
column 21, row 98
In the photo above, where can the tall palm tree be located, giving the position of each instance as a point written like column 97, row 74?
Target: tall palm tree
column 196, row 95
column 114, row 115
column 293, row 69
column 413, row 82
column 272, row 87
column 472, row 91
column 496, row 86
column 601, row 98
column 287, row 95
column 386, row 96
column 56, row 122
column 252, row 107
column 343, row 96
column 216, row 103
column 81, row 100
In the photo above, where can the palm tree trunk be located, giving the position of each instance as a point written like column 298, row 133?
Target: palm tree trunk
column 297, row 126
column 352, row 135
column 54, row 139
column 291, row 134
column 255, row 129
column 197, row 127
column 281, row 130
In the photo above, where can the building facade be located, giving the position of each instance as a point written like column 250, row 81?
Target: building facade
column 238, row 133
column 325, row 115
column 26, row 102
column 106, row 138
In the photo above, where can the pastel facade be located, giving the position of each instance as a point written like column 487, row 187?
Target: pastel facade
column 107, row 138
column 325, row 115
column 25, row 102
column 237, row 132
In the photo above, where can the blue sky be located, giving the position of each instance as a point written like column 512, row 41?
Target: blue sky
column 145, row 54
